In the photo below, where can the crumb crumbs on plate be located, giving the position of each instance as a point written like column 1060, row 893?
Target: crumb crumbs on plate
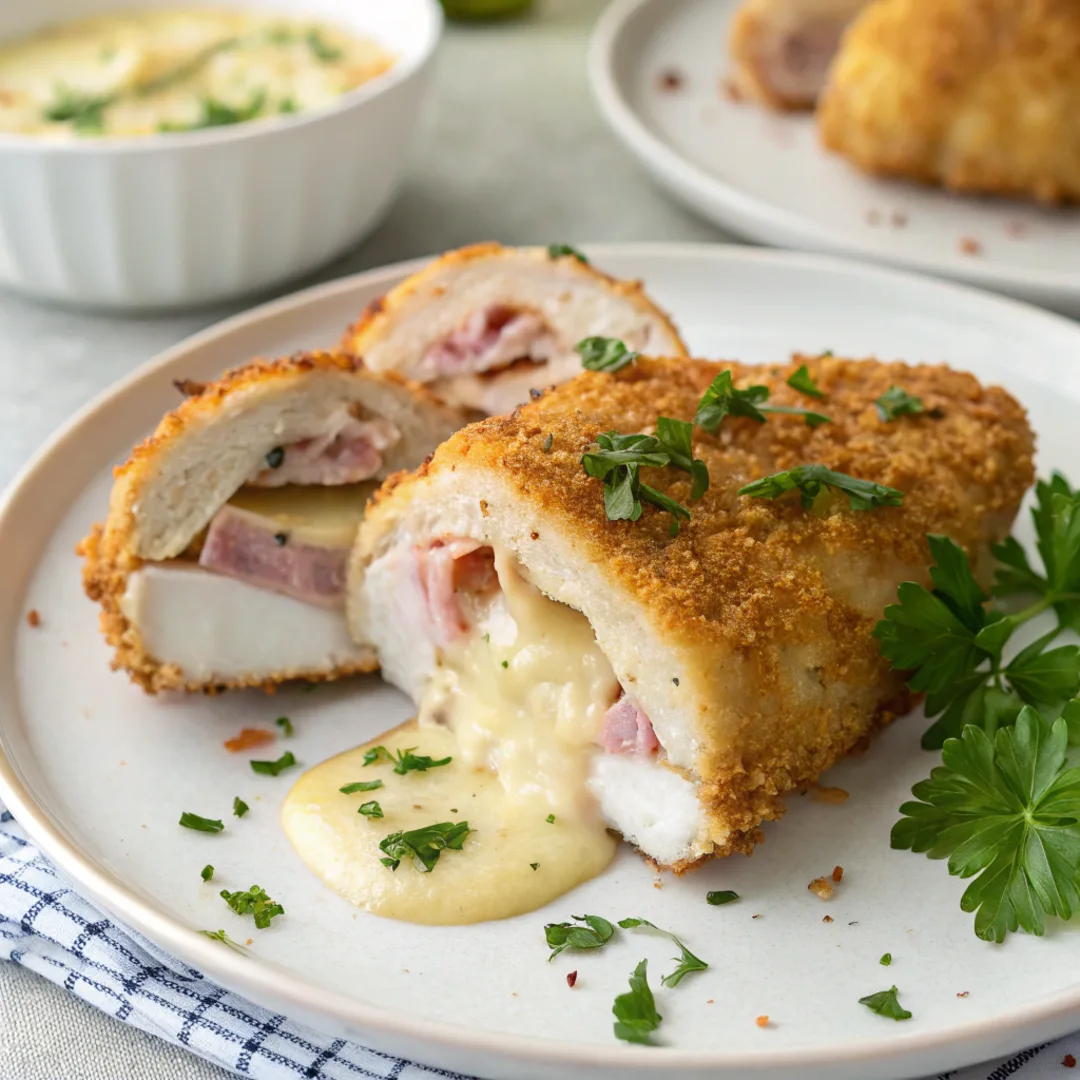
column 729, row 89
column 571, row 979
column 837, row 874
column 898, row 219
column 710, row 1001
column 670, row 80
column 755, row 916
column 1069, row 1061
column 33, row 617
column 963, row 993
column 248, row 739
column 762, row 1021
column 970, row 246
column 821, row 888
column 827, row 918
column 831, row 795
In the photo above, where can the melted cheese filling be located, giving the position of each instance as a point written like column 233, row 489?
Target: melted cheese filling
column 517, row 702
column 311, row 514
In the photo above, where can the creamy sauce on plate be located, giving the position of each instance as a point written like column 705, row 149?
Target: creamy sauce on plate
column 516, row 703
column 142, row 72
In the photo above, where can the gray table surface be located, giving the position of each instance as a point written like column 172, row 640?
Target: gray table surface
column 513, row 150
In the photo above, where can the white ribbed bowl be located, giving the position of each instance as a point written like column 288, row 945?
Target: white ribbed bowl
column 193, row 217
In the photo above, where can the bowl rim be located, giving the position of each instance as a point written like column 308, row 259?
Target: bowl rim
column 403, row 70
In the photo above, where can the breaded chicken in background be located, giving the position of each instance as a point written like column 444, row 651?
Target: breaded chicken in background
column 977, row 95
column 744, row 642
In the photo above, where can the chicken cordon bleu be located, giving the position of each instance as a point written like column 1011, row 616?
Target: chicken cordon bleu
column 222, row 561
column 977, row 95
column 484, row 325
column 782, row 49
column 675, row 687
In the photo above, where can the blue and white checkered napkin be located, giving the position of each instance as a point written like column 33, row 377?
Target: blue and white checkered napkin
column 50, row 929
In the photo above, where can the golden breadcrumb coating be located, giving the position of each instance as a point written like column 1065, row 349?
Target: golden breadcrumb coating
column 109, row 551
column 977, row 95
column 383, row 310
column 768, row 606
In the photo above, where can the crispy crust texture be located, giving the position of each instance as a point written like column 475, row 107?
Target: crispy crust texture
column 769, row 608
column 382, row 311
column 977, row 95
column 107, row 552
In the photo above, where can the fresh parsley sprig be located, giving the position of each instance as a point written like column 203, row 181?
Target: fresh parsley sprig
column 804, row 382
column 274, row 768
column 897, row 402
column 254, row 902
column 687, row 962
column 404, row 761
column 201, row 824
column 635, row 1012
column 885, row 1003
column 722, row 399
column 811, row 480
column 604, row 354
column 1007, row 810
column 557, row 251
column 423, row 846
column 593, row 933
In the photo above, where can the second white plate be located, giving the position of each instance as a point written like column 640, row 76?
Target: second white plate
column 765, row 176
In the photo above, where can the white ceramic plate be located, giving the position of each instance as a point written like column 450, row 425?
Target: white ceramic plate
column 98, row 773
column 764, row 176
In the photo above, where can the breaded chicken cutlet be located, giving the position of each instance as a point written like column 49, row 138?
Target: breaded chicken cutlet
column 222, row 560
column 688, row 682
column 976, row 95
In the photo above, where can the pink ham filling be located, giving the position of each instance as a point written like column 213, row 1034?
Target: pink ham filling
column 627, row 730
column 493, row 337
column 447, row 567
column 252, row 548
column 348, row 452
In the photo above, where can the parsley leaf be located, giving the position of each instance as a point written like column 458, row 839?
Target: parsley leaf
column 886, row 959
column 1008, row 811
column 360, row 785
column 82, row 109
column 207, row 873
column 723, row 896
column 635, row 1012
column 594, row 934
column 201, row 824
column 370, row 809
column 423, row 846
column 320, row 49
column 884, row 1003
column 688, row 962
column 810, row 480
column 285, row 724
column 813, row 419
column 255, row 902
column 721, row 399
column 676, row 437
column 604, row 354
column 556, row 251
column 897, row 402
column 239, row 807
column 274, row 768
column 220, row 935
column 404, row 762
column 803, row 381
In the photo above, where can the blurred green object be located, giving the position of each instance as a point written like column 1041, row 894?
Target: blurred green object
column 485, row 9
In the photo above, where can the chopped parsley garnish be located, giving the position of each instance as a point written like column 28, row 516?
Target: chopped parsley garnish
column 687, row 962
column 423, row 846
column 405, row 761
column 360, row 785
column 897, row 402
column 370, row 809
column 275, row 458
column 535, row 865
column 617, row 463
column 320, row 49
column 547, row 443
column 722, row 896
column 803, row 381
column 207, row 873
column 83, row 110
column 813, row 419
column 676, row 437
column 721, row 400
column 220, row 935
column 201, row 824
column 604, row 354
column 285, row 724
column 886, row 959
column 217, row 113
column 239, row 807
column 506, row 663
column 254, row 902
column 274, row 768
column 952, row 642
column 556, row 251
column 1007, row 809
column 635, row 1012
column 884, row 1003
column 286, row 105
column 593, row 933
column 811, row 480
column 550, row 819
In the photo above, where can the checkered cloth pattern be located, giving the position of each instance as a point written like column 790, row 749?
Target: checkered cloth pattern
column 50, row 929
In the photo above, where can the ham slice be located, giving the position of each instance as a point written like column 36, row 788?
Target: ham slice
column 444, row 569
column 627, row 730
column 347, row 452
column 254, row 549
column 491, row 338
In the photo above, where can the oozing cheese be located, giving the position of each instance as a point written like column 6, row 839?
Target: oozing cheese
column 310, row 514
column 215, row 627
column 517, row 702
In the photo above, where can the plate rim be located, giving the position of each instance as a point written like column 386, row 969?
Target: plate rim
column 278, row 988
column 732, row 207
